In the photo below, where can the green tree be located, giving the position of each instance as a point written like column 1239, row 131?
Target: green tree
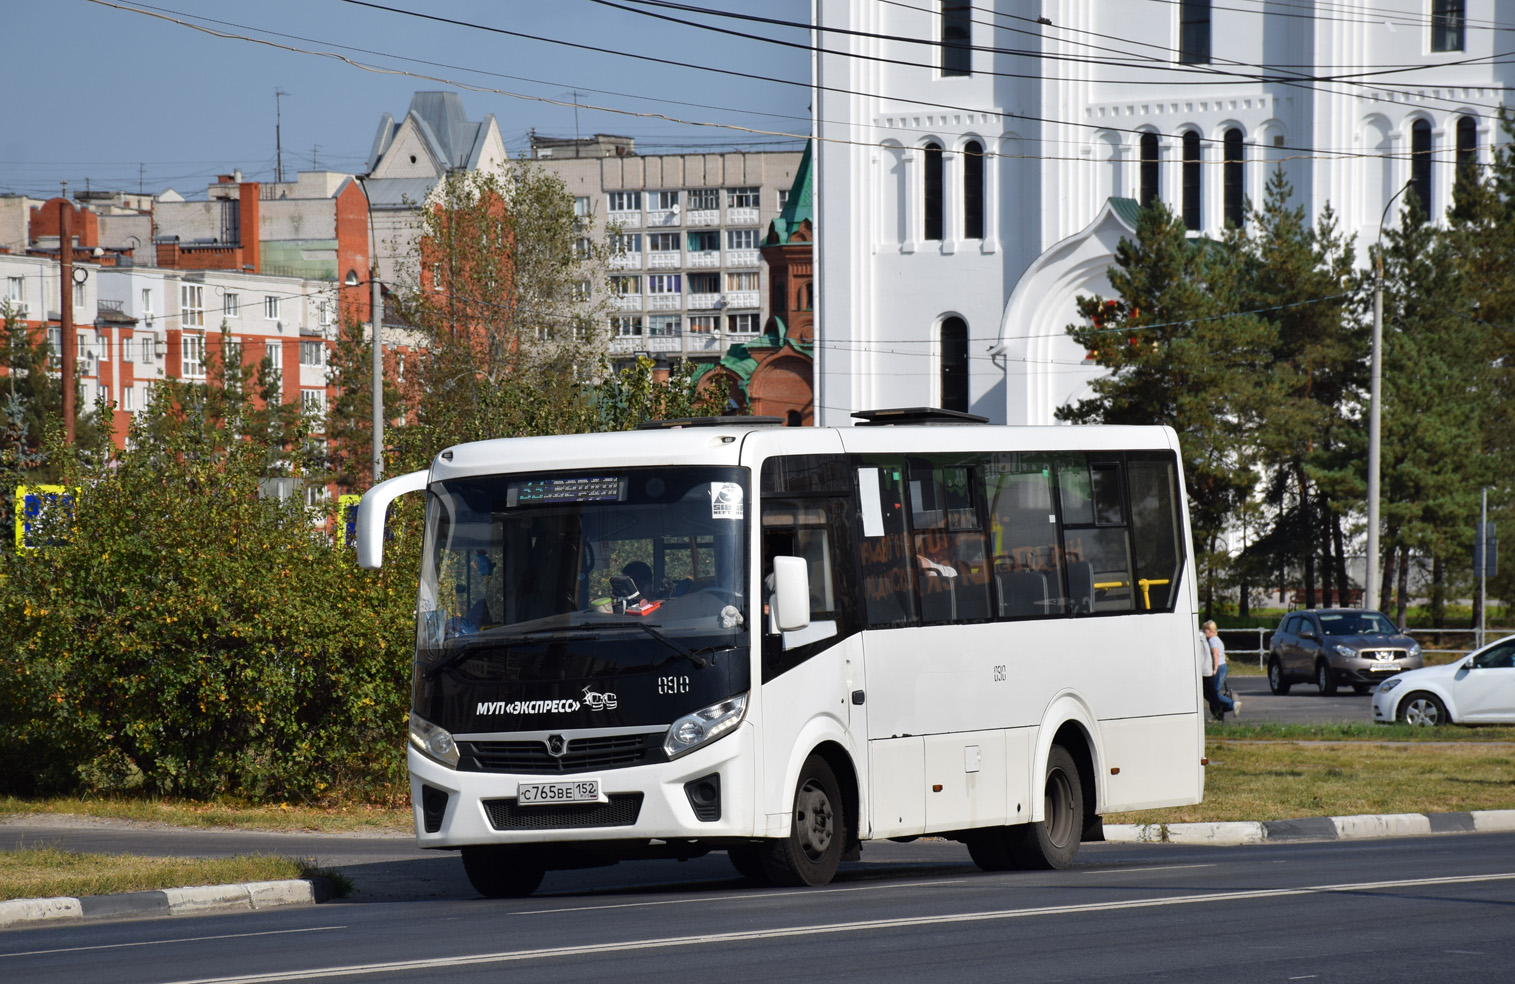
column 33, row 397
column 1178, row 354
column 349, row 418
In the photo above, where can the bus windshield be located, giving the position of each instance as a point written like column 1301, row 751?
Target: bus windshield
column 634, row 557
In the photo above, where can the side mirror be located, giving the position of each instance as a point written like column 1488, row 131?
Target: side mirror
column 1307, row 632
column 372, row 509
column 791, row 593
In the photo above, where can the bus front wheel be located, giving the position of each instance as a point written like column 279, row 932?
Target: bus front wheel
column 501, row 872
column 1052, row 841
column 817, row 829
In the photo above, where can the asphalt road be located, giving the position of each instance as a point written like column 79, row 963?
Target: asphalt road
column 1435, row 908
column 1302, row 705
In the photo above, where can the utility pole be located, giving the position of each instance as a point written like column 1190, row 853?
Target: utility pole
column 1483, row 566
column 278, row 138
column 377, row 316
column 66, row 312
column 1375, row 411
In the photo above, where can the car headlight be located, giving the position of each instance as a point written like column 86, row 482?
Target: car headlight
column 433, row 742
column 1414, row 650
column 1347, row 651
column 1389, row 684
column 704, row 725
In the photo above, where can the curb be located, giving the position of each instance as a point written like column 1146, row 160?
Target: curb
column 1312, row 828
column 196, row 901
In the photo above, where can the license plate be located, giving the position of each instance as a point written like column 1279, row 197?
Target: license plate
column 578, row 791
column 1388, row 665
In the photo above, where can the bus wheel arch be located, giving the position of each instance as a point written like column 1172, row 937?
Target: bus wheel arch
column 818, row 829
column 1075, row 740
column 846, row 777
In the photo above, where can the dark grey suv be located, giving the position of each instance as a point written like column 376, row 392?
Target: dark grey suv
column 1331, row 646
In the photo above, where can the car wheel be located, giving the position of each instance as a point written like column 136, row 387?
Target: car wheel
column 813, row 849
column 1423, row 710
column 1052, row 842
column 501, row 872
column 1324, row 679
column 1276, row 681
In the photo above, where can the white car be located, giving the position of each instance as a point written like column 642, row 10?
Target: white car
column 1480, row 688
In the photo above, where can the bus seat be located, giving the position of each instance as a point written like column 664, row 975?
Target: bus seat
column 937, row 602
column 1081, row 586
column 1022, row 593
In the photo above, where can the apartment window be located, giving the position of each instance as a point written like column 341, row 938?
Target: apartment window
column 630, row 242
column 742, row 281
column 105, row 394
column 1193, row 173
column 1193, row 32
column 783, row 199
column 742, row 198
column 1233, row 184
column 147, row 307
column 704, row 324
column 129, row 398
column 704, row 198
column 707, row 241
column 191, row 306
column 583, row 291
column 1447, row 18
column 104, row 342
column 581, row 207
column 741, row 238
column 192, row 356
column 624, row 286
column 270, row 308
column 231, row 353
column 1149, row 169
column 666, row 325
column 625, row 201
column 954, row 365
column 313, row 405
column 15, row 295
column 324, row 314
column 581, row 247
column 662, row 201
column 1420, row 165
column 957, row 37
column 933, row 189
column 664, row 283
column 231, row 305
column 274, row 353
column 663, row 242
column 973, row 190
column 54, row 347
column 146, row 345
column 312, row 354
column 126, row 350
column 742, row 324
column 626, row 326
column 78, row 296
column 704, row 283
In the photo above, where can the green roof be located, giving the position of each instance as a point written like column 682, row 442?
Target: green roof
column 800, row 206
column 1127, row 208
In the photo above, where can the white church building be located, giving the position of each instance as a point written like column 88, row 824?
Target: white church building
column 979, row 161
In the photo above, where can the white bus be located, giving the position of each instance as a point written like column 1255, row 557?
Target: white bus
column 785, row 642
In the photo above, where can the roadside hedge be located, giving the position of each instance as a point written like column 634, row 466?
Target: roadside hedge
column 194, row 639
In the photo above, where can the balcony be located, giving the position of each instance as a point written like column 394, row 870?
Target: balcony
column 627, row 220
column 704, row 302
column 702, row 342
column 626, row 261
column 738, row 299
column 742, row 258
column 665, row 302
column 665, row 260
column 666, row 217
column 627, row 344
column 696, row 217
column 709, row 259
column 626, row 302
column 742, row 216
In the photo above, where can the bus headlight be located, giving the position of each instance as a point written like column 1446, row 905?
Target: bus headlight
column 433, row 742
column 704, row 725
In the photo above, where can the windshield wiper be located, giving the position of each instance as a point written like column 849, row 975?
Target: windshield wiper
column 464, row 647
column 679, row 648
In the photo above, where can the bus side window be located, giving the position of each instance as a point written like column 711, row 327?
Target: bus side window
column 1155, row 529
column 1028, row 574
column 951, row 558
column 1095, row 542
column 885, row 555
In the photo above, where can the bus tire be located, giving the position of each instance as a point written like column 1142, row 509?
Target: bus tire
column 1052, row 842
column 749, row 863
column 501, row 872
column 817, row 830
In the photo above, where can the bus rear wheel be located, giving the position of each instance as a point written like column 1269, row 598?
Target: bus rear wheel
column 994, row 848
column 501, row 872
column 1052, row 842
column 817, row 829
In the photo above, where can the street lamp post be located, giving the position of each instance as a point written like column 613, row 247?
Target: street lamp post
column 376, row 316
column 1375, row 412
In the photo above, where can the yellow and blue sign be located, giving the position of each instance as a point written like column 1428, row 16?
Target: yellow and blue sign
column 44, row 516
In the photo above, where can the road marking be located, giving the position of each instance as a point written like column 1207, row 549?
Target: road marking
column 1155, row 867
column 869, row 925
column 187, row 939
column 745, row 896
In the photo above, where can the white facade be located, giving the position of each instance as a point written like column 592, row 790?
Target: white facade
column 1061, row 122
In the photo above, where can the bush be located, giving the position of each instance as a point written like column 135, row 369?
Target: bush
column 192, row 638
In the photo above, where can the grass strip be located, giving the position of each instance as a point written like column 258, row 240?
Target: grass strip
column 1283, row 780
column 47, row 872
column 362, row 818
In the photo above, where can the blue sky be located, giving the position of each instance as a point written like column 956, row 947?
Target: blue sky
column 115, row 96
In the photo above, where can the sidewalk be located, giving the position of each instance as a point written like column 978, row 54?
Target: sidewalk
column 204, row 900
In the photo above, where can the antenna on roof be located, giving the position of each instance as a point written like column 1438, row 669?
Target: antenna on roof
column 278, row 140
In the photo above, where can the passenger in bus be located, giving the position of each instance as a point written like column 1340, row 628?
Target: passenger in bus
column 933, row 556
column 641, row 574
